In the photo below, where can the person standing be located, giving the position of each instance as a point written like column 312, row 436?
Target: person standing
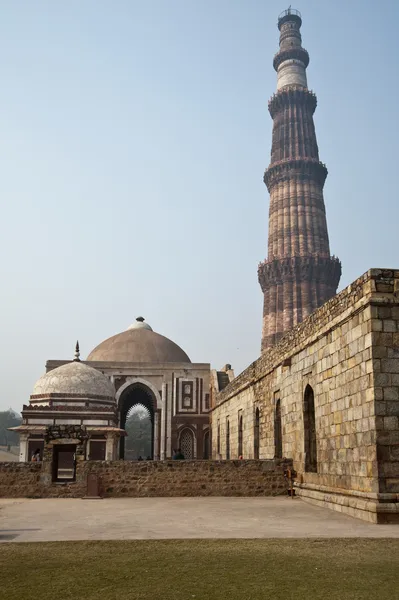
column 178, row 455
column 36, row 456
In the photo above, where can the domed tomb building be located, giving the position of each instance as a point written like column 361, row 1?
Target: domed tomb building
column 135, row 367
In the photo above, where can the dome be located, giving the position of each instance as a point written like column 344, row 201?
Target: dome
column 138, row 344
column 74, row 378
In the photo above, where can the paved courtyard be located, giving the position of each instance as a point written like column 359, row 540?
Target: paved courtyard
column 168, row 518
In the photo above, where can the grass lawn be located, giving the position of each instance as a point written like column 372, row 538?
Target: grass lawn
column 353, row 569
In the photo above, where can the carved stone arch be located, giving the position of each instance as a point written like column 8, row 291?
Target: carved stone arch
column 188, row 442
column 133, row 380
column 137, row 391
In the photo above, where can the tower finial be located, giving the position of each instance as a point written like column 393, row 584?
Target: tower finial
column 77, row 352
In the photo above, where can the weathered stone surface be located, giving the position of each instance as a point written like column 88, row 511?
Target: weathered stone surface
column 149, row 478
column 352, row 365
column 299, row 274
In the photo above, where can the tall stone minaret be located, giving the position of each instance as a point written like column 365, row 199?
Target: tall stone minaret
column 299, row 274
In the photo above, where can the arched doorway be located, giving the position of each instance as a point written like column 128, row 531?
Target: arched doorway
column 137, row 396
column 278, row 432
column 228, row 440
column 206, row 445
column 239, row 436
column 186, row 443
column 256, row 434
column 309, row 423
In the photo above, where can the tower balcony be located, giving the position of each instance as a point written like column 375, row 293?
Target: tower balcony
column 291, row 14
column 293, row 53
column 290, row 168
column 290, row 95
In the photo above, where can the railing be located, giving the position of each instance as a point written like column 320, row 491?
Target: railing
column 289, row 11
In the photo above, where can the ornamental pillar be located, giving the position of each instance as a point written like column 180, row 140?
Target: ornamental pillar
column 155, row 451
column 163, row 422
column 23, row 447
column 109, row 447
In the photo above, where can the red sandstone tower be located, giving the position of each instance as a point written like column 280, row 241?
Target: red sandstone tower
column 299, row 274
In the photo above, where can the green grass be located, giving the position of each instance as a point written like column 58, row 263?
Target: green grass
column 353, row 569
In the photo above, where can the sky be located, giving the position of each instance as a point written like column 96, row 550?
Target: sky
column 133, row 140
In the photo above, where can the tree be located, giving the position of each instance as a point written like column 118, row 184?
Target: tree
column 9, row 418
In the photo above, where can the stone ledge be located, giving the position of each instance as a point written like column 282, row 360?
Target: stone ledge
column 381, row 497
column 372, row 511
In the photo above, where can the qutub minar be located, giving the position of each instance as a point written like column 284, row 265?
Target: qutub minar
column 299, row 274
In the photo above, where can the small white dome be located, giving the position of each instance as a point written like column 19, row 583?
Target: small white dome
column 139, row 324
column 74, row 378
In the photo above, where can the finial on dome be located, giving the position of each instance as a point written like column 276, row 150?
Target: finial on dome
column 139, row 323
column 77, row 352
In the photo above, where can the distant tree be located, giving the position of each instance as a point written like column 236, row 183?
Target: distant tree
column 138, row 428
column 9, row 418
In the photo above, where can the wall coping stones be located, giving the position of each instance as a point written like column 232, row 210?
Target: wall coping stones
column 150, row 478
column 372, row 287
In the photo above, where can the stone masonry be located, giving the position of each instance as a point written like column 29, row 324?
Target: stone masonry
column 149, row 479
column 347, row 352
column 299, row 274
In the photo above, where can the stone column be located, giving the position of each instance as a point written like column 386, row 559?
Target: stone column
column 170, row 399
column 116, row 447
column 163, row 422
column 109, row 447
column 156, row 434
column 23, row 447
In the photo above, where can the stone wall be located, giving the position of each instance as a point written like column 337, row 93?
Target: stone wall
column 348, row 353
column 148, row 478
column 20, row 480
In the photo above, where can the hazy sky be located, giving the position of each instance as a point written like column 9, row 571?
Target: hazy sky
column 133, row 141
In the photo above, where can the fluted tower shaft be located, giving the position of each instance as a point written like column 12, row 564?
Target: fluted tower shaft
column 299, row 274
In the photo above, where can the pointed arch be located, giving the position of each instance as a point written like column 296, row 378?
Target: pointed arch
column 144, row 382
column 240, row 435
column 187, row 442
column 278, row 431
column 133, row 395
column 206, row 445
column 256, row 434
column 309, row 424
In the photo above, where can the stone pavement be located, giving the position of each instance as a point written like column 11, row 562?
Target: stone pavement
column 170, row 518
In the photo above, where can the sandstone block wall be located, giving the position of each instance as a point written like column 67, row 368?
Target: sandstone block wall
column 348, row 352
column 156, row 479
column 385, row 357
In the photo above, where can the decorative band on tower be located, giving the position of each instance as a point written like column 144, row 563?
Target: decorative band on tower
column 299, row 274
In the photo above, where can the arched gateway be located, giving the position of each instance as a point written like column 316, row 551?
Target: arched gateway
column 137, row 394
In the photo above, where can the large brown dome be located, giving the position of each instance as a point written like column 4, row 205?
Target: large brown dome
column 139, row 345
